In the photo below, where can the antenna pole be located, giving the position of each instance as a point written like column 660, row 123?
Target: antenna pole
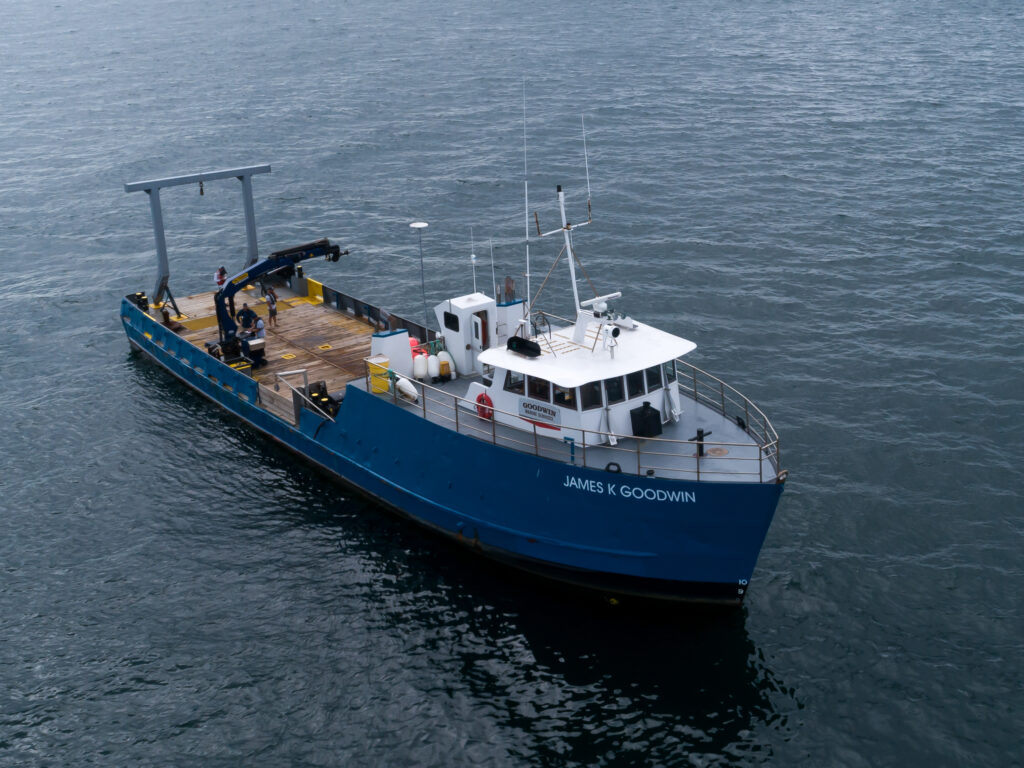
column 492, row 271
column 472, row 256
column 586, row 162
column 419, row 226
column 526, row 200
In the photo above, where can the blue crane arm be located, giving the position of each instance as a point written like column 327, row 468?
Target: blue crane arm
column 275, row 262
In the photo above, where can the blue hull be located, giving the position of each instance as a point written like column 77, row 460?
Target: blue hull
column 621, row 534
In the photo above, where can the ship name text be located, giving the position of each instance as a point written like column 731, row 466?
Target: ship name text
column 626, row 491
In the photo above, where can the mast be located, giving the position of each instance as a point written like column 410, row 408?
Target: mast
column 526, row 208
column 567, row 228
column 568, row 249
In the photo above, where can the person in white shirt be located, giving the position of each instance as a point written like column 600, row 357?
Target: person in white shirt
column 271, row 307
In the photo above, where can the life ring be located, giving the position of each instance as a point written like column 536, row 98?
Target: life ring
column 484, row 406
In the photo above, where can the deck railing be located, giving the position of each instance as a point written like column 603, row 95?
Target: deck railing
column 706, row 389
column 624, row 453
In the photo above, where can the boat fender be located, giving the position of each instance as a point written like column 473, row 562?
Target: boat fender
column 612, row 466
column 433, row 367
column 484, row 406
column 406, row 389
column 419, row 367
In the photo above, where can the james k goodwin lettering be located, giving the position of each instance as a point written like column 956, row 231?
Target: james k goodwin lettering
column 626, row 491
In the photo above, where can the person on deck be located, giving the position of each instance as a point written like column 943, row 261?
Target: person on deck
column 221, row 277
column 246, row 317
column 271, row 307
column 260, row 329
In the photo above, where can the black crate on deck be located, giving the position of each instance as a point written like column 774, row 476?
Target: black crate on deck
column 646, row 421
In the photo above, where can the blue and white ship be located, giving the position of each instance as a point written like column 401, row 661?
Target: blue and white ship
column 584, row 449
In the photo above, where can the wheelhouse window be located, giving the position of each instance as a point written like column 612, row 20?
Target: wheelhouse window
column 538, row 389
column 590, row 395
column 635, row 384
column 653, row 375
column 451, row 321
column 515, row 382
column 564, row 396
column 614, row 389
column 668, row 370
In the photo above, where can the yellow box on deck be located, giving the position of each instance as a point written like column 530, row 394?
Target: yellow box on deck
column 380, row 381
column 314, row 290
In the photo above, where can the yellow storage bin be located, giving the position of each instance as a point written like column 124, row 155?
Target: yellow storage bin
column 380, row 381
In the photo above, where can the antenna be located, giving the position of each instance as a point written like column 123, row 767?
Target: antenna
column 526, row 199
column 586, row 163
column 472, row 256
column 492, row 271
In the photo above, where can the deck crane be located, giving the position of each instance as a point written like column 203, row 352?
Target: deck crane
column 283, row 261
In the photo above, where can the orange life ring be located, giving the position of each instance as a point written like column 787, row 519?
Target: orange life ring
column 484, row 406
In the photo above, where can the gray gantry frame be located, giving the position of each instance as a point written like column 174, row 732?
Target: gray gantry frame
column 153, row 187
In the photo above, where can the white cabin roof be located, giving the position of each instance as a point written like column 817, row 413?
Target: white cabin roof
column 568, row 364
column 469, row 301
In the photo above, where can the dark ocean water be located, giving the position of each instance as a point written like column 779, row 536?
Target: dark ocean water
column 827, row 198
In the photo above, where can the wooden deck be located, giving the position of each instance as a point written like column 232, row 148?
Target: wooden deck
column 330, row 345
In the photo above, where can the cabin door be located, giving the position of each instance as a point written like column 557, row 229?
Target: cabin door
column 479, row 342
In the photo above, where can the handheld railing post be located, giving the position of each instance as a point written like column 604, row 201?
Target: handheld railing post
column 536, row 446
column 697, row 454
column 721, row 390
column 494, row 428
column 695, row 385
column 455, row 405
column 423, row 393
column 638, row 458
